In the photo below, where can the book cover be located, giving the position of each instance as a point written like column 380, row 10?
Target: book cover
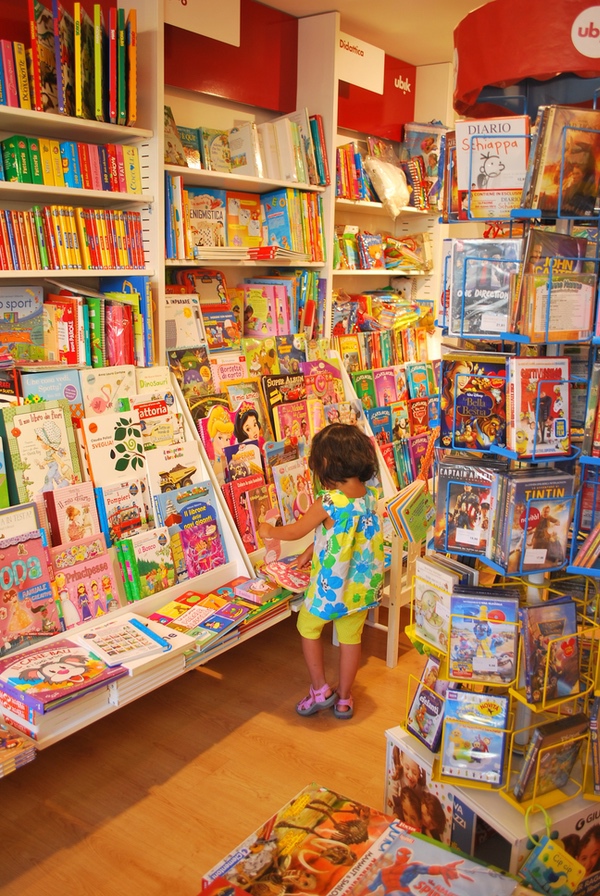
column 147, row 562
column 418, row 415
column 107, row 390
column 43, row 66
column 294, row 489
column 380, row 421
column 323, row 381
column 214, row 149
column 85, row 589
column 21, row 322
column 432, row 589
column 243, row 459
column 550, row 652
column 46, row 677
column 114, row 447
column 384, row 380
column 19, row 520
column 83, row 62
column 183, row 326
column 227, row 367
column 174, row 153
column 29, row 611
column 474, row 736
column 244, row 150
column 217, row 431
column 41, row 449
column 473, row 401
column 364, row 387
column 481, row 271
column 190, row 142
column 161, row 423
column 277, row 219
column 539, row 406
column 550, row 756
column 261, row 355
column 292, row 422
column 426, row 712
column 51, row 385
column 483, row 639
column 417, row 380
column 173, row 466
column 71, row 513
column 123, row 508
column 258, row 590
column 208, row 217
column 243, row 219
column 123, row 640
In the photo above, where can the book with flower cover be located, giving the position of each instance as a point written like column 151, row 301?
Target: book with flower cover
column 114, row 447
column 30, row 612
column 48, row 676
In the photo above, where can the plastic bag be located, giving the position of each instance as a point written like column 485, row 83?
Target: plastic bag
column 389, row 183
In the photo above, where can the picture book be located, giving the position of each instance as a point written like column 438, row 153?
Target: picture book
column 380, row 421
column 260, row 310
column 277, row 219
column 418, row 415
column 243, row 219
column 551, row 753
column 21, row 322
column 261, row 355
column 43, row 62
column 539, row 407
column 258, row 590
column 204, row 617
column 465, row 498
column 64, row 54
column 285, row 388
column 123, row 508
column 227, row 367
column 285, row 572
column 292, row 422
column 114, row 447
column 474, row 736
column 417, row 379
column 16, row 748
column 191, row 368
column 473, row 400
column 183, row 322
column 46, row 677
column 207, row 217
column 161, row 424
column 483, row 639
column 84, row 62
column 550, row 650
column 294, row 488
column 431, row 602
column 174, row 152
column 247, row 402
column 260, row 506
column 172, row 466
column 71, row 513
column 223, row 333
column 491, row 164
column 538, row 517
column 323, row 381
column 384, row 380
column 107, row 390
column 87, row 588
column 291, row 351
column 350, row 412
column 364, row 387
column 236, row 495
column 123, row 640
column 481, row 271
column 147, row 562
column 243, row 459
column 349, row 348
column 214, row 149
column 18, row 520
column 217, row 431
column 41, row 449
column 50, row 385
column 566, row 179
column 29, row 609
column 426, row 711
column 190, row 142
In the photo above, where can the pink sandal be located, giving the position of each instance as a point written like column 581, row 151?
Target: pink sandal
column 344, row 708
column 316, row 700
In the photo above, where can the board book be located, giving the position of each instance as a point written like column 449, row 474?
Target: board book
column 71, row 513
column 123, row 508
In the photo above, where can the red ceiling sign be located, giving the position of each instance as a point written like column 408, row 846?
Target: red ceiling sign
column 382, row 115
column 506, row 41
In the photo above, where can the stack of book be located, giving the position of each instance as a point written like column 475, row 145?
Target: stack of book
column 16, row 749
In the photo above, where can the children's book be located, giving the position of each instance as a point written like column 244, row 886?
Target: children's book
column 538, row 408
column 64, row 55
column 29, row 609
column 258, row 590
column 247, row 402
column 323, row 381
column 426, row 711
column 481, row 271
column 243, row 459
column 71, row 513
column 214, row 149
column 474, row 736
column 161, row 424
column 417, row 380
column 380, row 421
column 217, row 431
column 19, row 520
column 350, row 412
column 84, row 582
column 190, row 142
column 384, row 380
column 147, row 562
column 284, row 572
column 364, row 387
column 207, row 216
column 260, row 506
column 223, row 333
column 243, row 219
column 473, row 400
column 228, row 367
column 21, row 322
column 123, row 508
column 114, row 447
column 292, row 422
column 173, row 466
column 550, row 650
column 183, row 322
column 433, row 587
column 46, row 677
column 41, row 449
column 261, row 355
column 550, row 756
column 174, row 152
column 483, row 639
column 191, row 515
column 418, row 415
column 123, row 640
column 291, row 350
column 294, row 489
column 107, row 390
column 43, row 62
column 84, row 62
column 50, row 385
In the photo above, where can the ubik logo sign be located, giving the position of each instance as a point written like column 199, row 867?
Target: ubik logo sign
column 585, row 32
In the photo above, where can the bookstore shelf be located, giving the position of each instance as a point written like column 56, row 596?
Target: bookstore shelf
column 243, row 183
column 47, row 124
column 375, row 208
column 14, row 191
column 378, row 272
column 69, row 273
column 242, row 263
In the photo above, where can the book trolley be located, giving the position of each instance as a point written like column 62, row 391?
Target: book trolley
column 545, row 737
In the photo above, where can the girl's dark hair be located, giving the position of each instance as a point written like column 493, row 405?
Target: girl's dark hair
column 238, row 427
column 407, row 794
column 341, row 451
column 436, row 811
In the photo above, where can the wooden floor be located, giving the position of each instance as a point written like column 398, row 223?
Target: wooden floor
column 147, row 800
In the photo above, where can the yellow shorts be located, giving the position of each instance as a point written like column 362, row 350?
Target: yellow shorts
column 347, row 628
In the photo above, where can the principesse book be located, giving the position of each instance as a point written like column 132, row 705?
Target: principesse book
column 550, row 650
column 48, row 676
column 552, row 752
column 426, row 711
column 71, row 513
column 84, row 581
column 474, row 736
column 483, row 639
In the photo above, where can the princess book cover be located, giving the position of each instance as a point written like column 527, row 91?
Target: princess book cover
column 473, row 401
column 550, row 650
column 85, row 589
column 291, row 422
column 260, row 310
column 384, row 380
column 42, row 449
column 71, row 513
column 537, row 528
column 114, row 447
column 483, row 639
column 259, row 504
column 323, row 381
column 28, row 612
column 217, row 432
column 245, row 395
column 46, row 677
column 539, row 396
column 108, row 389
column 294, row 489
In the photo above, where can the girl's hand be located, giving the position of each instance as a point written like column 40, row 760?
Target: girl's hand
column 304, row 558
column 266, row 530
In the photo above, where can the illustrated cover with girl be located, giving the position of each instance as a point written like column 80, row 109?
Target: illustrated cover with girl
column 244, row 396
column 474, row 736
column 85, row 589
column 191, row 515
column 259, row 501
column 292, row 422
column 216, row 432
column 71, row 513
column 323, row 381
column 28, row 611
column 294, row 489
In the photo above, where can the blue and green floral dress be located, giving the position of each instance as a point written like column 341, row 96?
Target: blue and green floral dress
column 347, row 564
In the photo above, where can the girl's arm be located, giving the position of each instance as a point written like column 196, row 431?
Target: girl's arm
column 310, row 520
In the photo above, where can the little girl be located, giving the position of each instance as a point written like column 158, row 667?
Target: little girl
column 347, row 560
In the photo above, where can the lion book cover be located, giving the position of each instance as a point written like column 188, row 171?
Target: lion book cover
column 315, row 837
